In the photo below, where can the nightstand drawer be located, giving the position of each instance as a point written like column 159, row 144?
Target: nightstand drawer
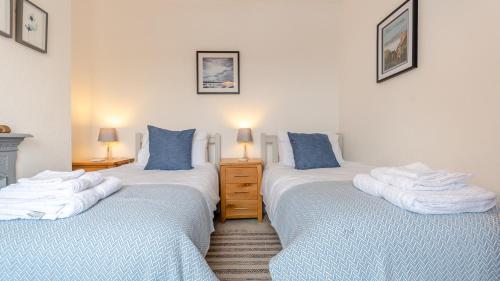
column 242, row 191
column 241, row 175
column 241, row 208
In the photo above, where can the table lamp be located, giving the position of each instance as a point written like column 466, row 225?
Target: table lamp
column 108, row 135
column 245, row 136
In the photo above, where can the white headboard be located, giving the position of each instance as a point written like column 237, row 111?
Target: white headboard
column 213, row 148
column 269, row 147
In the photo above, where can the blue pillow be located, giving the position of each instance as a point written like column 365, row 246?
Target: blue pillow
column 312, row 151
column 169, row 150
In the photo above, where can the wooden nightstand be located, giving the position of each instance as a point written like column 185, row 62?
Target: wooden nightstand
column 91, row 166
column 240, row 189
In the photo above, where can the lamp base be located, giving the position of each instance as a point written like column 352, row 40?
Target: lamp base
column 109, row 155
column 245, row 155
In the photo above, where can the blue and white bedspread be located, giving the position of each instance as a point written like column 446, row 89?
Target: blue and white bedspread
column 332, row 231
column 143, row 232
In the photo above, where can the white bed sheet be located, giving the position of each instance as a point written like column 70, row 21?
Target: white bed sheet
column 280, row 178
column 202, row 177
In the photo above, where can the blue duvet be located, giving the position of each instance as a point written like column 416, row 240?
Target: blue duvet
column 332, row 231
column 140, row 233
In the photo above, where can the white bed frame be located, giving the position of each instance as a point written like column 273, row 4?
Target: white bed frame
column 213, row 147
column 269, row 147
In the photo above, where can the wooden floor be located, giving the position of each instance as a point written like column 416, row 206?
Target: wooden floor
column 241, row 250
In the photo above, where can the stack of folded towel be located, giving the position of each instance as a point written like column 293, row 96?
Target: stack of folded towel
column 419, row 189
column 54, row 195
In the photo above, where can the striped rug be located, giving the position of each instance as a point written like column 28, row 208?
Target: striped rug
column 238, row 255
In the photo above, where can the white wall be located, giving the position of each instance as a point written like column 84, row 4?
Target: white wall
column 444, row 113
column 35, row 94
column 141, row 57
column 134, row 64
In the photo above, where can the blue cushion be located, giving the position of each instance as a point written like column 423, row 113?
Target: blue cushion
column 169, row 150
column 312, row 151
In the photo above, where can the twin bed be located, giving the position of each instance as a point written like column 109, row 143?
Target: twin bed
column 158, row 228
column 330, row 230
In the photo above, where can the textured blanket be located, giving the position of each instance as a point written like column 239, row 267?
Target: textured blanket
column 159, row 232
column 332, row 231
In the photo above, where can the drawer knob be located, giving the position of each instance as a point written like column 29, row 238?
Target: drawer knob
column 241, row 209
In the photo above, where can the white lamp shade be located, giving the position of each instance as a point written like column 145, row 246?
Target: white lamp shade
column 245, row 135
column 108, row 135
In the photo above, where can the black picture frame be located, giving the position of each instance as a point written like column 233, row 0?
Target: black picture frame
column 20, row 26
column 217, row 91
column 412, row 54
column 11, row 15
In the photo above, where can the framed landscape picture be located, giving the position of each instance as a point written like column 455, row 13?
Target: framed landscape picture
column 218, row 72
column 397, row 45
column 6, row 13
column 32, row 26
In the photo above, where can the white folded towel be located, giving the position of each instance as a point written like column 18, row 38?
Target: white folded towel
column 108, row 187
column 29, row 209
column 369, row 185
column 414, row 171
column 80, row 202
column 57, row 208
column 461, row 200
column 418, row 176
column 52, row 190
column 28, row 194
column 49, row 176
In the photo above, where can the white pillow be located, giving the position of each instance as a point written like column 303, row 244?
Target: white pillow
column 334, row 139
column 199, row 152
column 285, row 150
column 143, row 155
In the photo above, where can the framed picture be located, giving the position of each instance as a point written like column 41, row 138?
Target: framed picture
column 397, row 37
column 32, row 25
column 6, row 14
column 218, row 72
